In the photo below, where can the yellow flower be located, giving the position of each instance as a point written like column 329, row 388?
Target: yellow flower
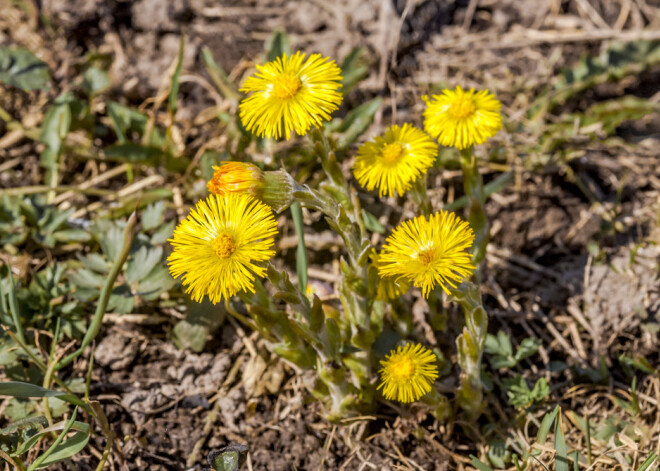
column 461, row 119
column 217, row 245
column 408, row 373
column 429, row 252
column 291, row 94
column 395, row 160
column 235, row 177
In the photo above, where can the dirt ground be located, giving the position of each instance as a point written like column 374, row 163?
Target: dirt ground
column 558, row 266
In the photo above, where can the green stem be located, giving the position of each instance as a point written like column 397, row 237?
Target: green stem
column 49, row 371
column 286, row 336
column 13, row 306
column 470, row 345
column 474, row 190
column 419, row 196
column 301, row 251
column 97, row 320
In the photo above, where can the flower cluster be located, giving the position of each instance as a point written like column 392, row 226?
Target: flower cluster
column 220, row 247
column 227, row 239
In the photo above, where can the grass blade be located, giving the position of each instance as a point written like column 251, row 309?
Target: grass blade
column 648, row 462
column 561, row 459
column 174, row 86
column 40, row 460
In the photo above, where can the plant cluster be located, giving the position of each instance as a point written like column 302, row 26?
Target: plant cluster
column 225, row 246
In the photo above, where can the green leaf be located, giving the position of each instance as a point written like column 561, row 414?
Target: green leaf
column 174, row 83
column 480, row 465
column 20, row 389
column 7, row 357
column 142, row 262
column 19, row 408
column 66, row 449
column 121, row 300
column 639, row 362
column 152, row 217
column 498, row 361
column 48, row 456
column 125, row 120
column 500, row 347
column 54, row 129
column 353, row 69
column 202, row 320
column 648, row 462
column 561, row 460
column 31, row 423
column 333, row 334
column 163, row 233
column 22, row 69
column 71, row 235
column 527, row 348
column 278, row 45
column 95, row 81
column 156, row 282
column 26, row 445
column 301, row 251
column 498, row 454
column 112, row 241
column 357, row 121
column 619, row 60
column 135, row 154
column 518, row 391
column 95, row 262
column 188, row 335
column 85, row 278
column 219, row 76
column 611, row 114
column 371, row 222
column 540, row 391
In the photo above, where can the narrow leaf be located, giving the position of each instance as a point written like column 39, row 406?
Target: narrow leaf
column 176, row 76
column 561, row 459
column 301, row 251
column 20, row 389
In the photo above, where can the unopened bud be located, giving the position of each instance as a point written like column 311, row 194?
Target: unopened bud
column 272, row 188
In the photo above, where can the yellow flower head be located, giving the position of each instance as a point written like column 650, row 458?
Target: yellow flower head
column 461, row 119
column 235, row 177
column 395, row 160
column 217, row 245
column 291, row 94
column 408, row 373
column 429, row 252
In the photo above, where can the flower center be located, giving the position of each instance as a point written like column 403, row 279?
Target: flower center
column 426, row 257
column 402, row 369
column 224, row 246
column 392, row 152
column 286, row 86
column 462, row 108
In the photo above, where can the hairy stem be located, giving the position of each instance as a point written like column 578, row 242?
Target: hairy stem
column 474, row 190
column 470, row 347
